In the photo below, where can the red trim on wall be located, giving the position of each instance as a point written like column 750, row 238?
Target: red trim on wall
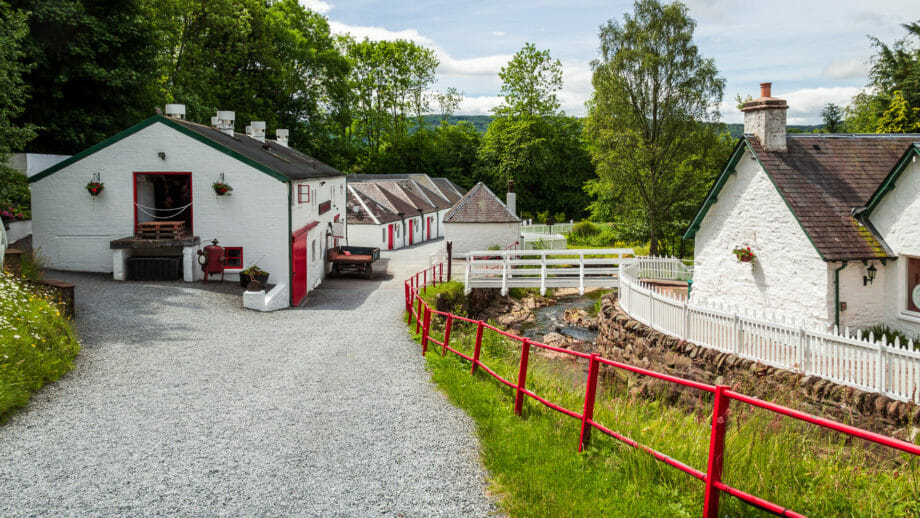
column 308, row 227
column 191, row 193
column 227, row 256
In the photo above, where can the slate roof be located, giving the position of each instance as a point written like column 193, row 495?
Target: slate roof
column 390, row 201
column 480, row 205
column 361, row 216
column 827, row 180
column 280, row 162
column 405, row 193
column 449, row 190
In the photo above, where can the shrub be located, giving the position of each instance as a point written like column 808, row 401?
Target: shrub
column 882, row 331
column 37, row 344
column 584, row 230
column 15, row 197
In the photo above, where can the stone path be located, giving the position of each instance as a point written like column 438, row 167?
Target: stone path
column 183, row 403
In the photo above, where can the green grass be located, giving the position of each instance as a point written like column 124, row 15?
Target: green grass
column 536, row 470
column 37, row 344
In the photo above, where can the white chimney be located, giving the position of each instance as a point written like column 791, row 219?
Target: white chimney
column 248, row 130
column 176, row 111
column 281, row 137
column 258, row 130
column 765, row 117
column 512, row 198
column 215, row 122
column 226, row 121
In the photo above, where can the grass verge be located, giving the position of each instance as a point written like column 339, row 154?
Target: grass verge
column 37, row 344
column 536, row 470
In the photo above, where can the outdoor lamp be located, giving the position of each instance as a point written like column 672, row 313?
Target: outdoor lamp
column 870, row 275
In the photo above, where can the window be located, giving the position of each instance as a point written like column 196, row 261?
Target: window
column 303, row 193
column 913, row 284
column 324, row 207
column 233, row 257
column 384, row 235
column 313, row 249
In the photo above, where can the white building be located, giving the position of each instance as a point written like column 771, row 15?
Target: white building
column 480, row 221
column 831, row 218
column 393, row 211
column 279, row 215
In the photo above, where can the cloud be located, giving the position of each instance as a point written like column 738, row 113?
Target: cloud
column 373, row 33
column 481, row 105
column 498, row 33
column 805, row 105
column 482, row 66
column 317, row 5
column 853, row 68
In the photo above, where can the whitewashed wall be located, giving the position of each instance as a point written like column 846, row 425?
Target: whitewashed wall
column 368, row 235
column 787, row 276
column 332, row 190
column 866, row 305
column 468, row 237
column 30, row 164
column 897, row 218
column 73, row 229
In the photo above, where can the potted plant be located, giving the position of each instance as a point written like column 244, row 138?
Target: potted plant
column 95, row 187
column 221, row 188
column 744, row 254
column 253, row 273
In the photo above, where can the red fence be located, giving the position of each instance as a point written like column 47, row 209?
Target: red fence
column 422, row 313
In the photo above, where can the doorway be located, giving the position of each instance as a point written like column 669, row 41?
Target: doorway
column 163, row 197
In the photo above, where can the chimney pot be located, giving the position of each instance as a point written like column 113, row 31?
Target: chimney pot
column 765, row 89
column 257, row 129
column 176, row 111
column 226, row 121
column 281, row 136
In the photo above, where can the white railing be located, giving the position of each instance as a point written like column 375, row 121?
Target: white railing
column 847, row 358
column 544, row 269
column 543, row 241
column 540, row 228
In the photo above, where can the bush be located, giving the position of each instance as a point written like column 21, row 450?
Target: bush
column 584, row 230
column 37, row 344
column 15, row 197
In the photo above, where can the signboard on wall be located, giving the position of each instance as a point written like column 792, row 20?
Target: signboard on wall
column 325, row 206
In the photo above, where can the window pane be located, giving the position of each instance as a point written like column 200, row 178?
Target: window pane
column 913, row 284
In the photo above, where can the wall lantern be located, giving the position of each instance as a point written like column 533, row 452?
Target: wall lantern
column 162, row 155
column 870, row 275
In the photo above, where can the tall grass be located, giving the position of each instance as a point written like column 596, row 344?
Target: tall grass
column 37, row 344
column 536, row 470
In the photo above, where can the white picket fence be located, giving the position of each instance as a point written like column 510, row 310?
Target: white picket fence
column 543, row 241
column 848, row 358
column 539, row 228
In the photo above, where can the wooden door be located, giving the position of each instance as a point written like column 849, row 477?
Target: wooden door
column 390, row 237
column 299, row 270
column 411, row 225
column 428, row 225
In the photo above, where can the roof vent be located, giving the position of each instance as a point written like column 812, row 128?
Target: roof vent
column 258, row 130
column 281, row 137
column 215, row 122
column 176, row 111
column 816, row 147
column 226, row 121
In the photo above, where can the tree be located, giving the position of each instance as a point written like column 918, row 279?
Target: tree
column 529, row 83
column 900, row 117
column 833, row 118
column 13, row 90
column 653, row 97
column 449, row 102
column 93, row 72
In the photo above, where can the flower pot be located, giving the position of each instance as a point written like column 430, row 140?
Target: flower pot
column 245, row 278
column 745, row 259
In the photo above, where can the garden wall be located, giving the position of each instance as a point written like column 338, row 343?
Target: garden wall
column 623, row 339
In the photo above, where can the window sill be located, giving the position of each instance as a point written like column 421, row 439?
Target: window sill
column 909, row 316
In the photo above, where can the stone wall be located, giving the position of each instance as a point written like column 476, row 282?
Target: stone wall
column 625, row 340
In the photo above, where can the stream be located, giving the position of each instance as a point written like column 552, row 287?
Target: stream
column 550, row 319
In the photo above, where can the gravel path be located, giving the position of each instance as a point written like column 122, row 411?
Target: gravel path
column 183, row 403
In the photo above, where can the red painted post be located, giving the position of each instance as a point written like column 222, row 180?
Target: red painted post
column 522, row 377
column 408, row 299
column 447, row 326
column 418, row 317
column 425, row 281
column 426, row 328
column 410, row 302
column 441, row 271
column 588, row 413
column 477, row 348
column 716, row 452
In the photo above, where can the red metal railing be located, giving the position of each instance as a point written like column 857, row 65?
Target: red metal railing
column 722, row 396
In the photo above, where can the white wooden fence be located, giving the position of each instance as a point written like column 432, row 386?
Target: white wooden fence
column 543, row 241
column 544, row 269
column 847, row 358
column 540, row 228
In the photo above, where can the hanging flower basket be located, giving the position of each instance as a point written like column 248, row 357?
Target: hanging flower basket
column 744, row 254
column 94, row 188
column 221, row 188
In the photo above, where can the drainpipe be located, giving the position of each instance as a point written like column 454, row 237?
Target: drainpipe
column 837, row 294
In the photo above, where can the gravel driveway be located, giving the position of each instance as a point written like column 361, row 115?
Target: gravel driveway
column 183, row 403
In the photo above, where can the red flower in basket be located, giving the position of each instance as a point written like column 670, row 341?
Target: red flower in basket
column 221, row 188
column 94, row 188
column 744, row 254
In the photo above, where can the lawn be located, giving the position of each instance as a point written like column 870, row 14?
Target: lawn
column 536, row 470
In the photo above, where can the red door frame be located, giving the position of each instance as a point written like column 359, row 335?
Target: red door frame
column 428, row 227
column 299, row 253
column 390, row 236
column 411, row 225
column 191, row 192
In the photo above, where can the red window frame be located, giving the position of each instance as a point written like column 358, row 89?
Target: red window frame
column 238, row 262
column 302, row 196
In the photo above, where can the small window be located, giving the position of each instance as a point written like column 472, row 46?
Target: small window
column 913, row 284
column 303, row 193
column 233, row 257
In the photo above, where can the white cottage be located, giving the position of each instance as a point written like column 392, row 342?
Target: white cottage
column 831, row 219
column 282, row 213
column 480, row 221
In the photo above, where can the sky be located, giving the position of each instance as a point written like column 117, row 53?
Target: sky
column 813, row 51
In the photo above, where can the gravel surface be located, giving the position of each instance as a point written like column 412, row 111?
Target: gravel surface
column 183, row 403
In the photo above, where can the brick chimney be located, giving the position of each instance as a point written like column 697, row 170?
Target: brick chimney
column 765, row 117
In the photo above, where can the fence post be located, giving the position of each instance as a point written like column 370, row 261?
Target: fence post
column 467, row 269
column 716, row 452
column 803, row 354
column 441, row 272
column 409, row 303
column 581, row 273
column 736, row 334
column 522, row 377
column 425, row 281
column 686, row 326
column 447, row 326
column 408, row 300
column 477, row 348
column 880, row 369
column 587, row 414
column 506, row 266
column 543, row 273
column 426, row 328
column 418, row 316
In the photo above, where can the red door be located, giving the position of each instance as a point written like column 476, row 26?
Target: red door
column 428, row 224
column 389, row 237
column 411, row 224
column 299, row 270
